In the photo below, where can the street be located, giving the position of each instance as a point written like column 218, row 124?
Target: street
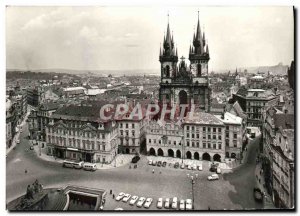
column 232, row 191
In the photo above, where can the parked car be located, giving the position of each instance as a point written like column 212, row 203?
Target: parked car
column 18, row 141
column 174, row 203
column 167, row 203
column 31, row 148
column 159, row 163
column 188, row 204
column 133, row 200
column 189, row 167
column 182, row 166
column 213, row 168
column 126, row 197
column 159, row 203
column 213, row 177
column 154, row 163
column 182, row 205
column 194, row 167
column 135, row 159
column 141, row 202
column 258, row 195
column 176, row 165
column 150, row 162
column 218, row 171
column 120, row 196
column 148, row 202
column 164, row 164
column 200, row 168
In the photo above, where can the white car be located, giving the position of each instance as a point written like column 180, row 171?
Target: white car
column 174, row 203
column 18, row 141
column 150, row 162
column 189, row 167
column 200, row 167
column 194, row 167
column 182, row 205
column 167, row 203
column 160, row 203
column 213, row 177
column 148, row 202
column 188, row 204
column 182, row 166
column 141, row 202
column 219, row 171
column 126, row 197
column 133, row 200
column 120, row 196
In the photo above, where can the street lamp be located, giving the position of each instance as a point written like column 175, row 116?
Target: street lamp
column 182, row 138
column 192, row 178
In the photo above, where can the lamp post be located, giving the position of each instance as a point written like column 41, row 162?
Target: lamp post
column 192, row 178
column 182, row 138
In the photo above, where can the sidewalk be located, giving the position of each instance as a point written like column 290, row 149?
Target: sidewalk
column 120, row 159
column 260, row 182
column 17, row 135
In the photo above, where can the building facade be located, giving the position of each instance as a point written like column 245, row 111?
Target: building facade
column 202, row 138
column 76, row 132
column 283, row 173
column 253, row 102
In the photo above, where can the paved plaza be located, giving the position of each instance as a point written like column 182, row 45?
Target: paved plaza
column 232, row 191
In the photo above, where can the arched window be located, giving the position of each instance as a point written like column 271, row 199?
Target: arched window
column 167, row 71
column 199, row 69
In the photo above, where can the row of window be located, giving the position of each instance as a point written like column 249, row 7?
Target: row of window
column 204, row 129
column 77, row 133
column 127, row 133
column 204, row 136
column 126, row 125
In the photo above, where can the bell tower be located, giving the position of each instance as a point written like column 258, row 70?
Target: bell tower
column 168, row 57
column 199, row 53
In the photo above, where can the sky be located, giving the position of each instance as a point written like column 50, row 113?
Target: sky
column 129, row 38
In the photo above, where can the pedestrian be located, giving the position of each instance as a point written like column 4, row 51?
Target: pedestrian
column 153, row 171
column 25, row 171
column 110, row 192
column 113, row 196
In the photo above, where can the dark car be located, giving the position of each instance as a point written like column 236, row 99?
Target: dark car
column 258, row 195
column 159, row 163
column 135, row 159
column 213, row 168
column 176, row 165
column 164, row 164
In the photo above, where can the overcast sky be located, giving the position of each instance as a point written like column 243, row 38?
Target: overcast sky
column 116, row 38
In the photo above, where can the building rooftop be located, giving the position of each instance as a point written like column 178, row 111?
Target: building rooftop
column 73, row 88
column 202, row 118
column 230, row 118
column 285, row 121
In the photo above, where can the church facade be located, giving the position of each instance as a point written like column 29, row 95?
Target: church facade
column 183, row 84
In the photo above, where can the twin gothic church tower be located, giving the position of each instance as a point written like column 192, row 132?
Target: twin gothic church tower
column 181, row 84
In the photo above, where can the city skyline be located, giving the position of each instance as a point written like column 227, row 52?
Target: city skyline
column 94, row 38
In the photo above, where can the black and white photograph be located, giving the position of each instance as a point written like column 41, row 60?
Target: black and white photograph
column 153, row 108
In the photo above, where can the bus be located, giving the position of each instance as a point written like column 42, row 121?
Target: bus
column 89, row 167
column 68, row 164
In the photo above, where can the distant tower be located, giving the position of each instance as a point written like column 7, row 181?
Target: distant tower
column 168, row 57
column 199, row 53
